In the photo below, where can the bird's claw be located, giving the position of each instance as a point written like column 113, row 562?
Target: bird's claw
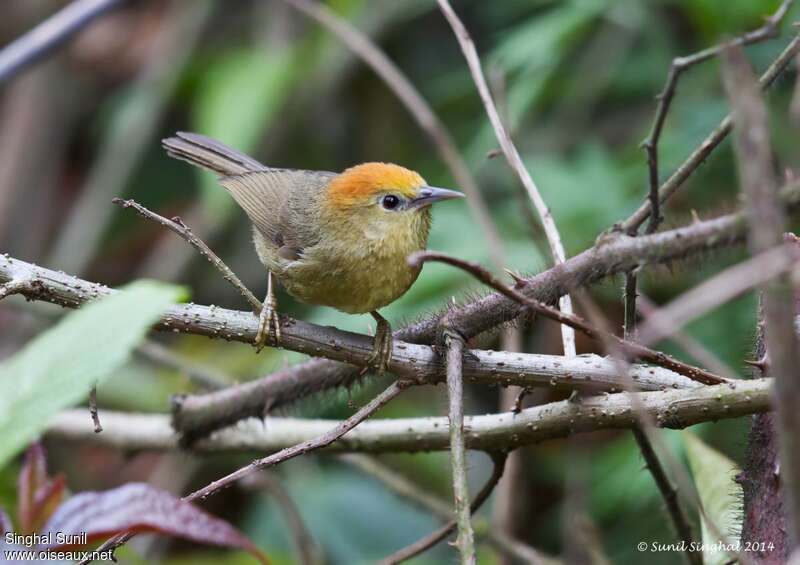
column 268, row 323
column 382, row 350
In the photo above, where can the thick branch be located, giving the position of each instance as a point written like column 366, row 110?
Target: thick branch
column 674, row 409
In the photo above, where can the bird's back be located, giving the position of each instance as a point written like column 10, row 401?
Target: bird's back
column 279, row 202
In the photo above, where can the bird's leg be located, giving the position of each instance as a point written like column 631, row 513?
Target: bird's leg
column 268, row 319
column 382, row 351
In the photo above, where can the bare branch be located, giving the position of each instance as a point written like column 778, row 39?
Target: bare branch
column 410, row 490
column 309, row 552
column 513, row 158
column 454, row 345
column 185, row 233
column 679, row 65
column 701, row 153
column 767, row 220
column 50, row 34
column 435, row 537
column 676, row 409
column 93, row 410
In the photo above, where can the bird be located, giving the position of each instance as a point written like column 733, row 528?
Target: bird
column 333, row 239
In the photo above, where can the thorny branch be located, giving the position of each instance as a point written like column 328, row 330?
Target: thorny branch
column 680, row 64
column 629, row 347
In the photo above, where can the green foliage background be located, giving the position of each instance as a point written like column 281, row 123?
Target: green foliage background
column 576, row 82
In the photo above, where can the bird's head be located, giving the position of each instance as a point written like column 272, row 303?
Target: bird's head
column 384, row 191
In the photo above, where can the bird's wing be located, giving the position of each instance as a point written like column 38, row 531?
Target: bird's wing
column 275, row 200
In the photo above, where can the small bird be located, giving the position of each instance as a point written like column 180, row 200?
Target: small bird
column 339, row 240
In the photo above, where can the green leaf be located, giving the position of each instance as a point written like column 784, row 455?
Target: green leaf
column 57, row 368
column 719, row 494
column 241, row 93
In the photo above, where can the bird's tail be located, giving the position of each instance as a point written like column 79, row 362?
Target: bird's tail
column 204, row 152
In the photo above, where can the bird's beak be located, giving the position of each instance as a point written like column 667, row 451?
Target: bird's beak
column 429, row 194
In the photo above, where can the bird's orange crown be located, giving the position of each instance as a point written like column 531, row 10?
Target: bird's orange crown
column 360, row 183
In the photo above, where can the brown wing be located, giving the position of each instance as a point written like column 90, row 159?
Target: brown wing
column 276, row 200
column 281, row 203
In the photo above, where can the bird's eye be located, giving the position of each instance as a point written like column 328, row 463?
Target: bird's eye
column 390, row 201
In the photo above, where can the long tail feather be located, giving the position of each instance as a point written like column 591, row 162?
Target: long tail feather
column 204, row 152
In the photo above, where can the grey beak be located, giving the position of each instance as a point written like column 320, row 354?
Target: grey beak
column 430, row 194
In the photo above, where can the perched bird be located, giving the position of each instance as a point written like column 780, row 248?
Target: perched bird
column 338, row 240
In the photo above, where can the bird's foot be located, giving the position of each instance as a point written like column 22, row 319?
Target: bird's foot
column 382, row 350
column 268, row 322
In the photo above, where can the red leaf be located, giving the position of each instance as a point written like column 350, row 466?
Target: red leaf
column 32, row 486
column 139, row 507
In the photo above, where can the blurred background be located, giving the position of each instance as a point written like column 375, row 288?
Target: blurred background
column 576, row 82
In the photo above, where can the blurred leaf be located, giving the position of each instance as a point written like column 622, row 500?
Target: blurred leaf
column 719, row 494
column 57, row 368
column 139, row 507
column 240, row 94
column 38, row 494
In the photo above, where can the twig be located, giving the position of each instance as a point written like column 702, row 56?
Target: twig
column 701, row 153
column 668, row 492
column 513, row 158
column 718, row 290
column 15, row 286
column 454, row 345
column 690, row 345
column 644, row 434
column 50, row 34
column 435, row 537
column 93, row 410
column 203, row 376
column 418, row 107
column 184, row 232
column 410, row 490
column 308, row 552
column 675, row 409
column 306, row 446
column 631, row 348
column 767, row 220
column 129, row 136
column 650, row 144
column 679, row 65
